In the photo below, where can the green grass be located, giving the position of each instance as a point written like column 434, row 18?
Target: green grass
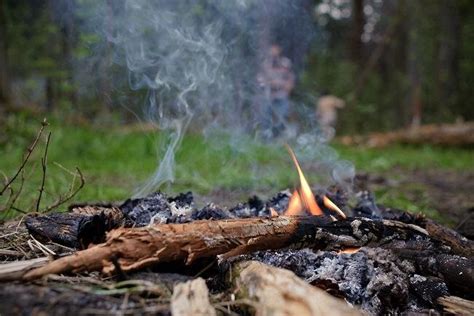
column 115, row 162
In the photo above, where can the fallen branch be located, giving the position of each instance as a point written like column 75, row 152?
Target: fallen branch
column 461, row 134
column 137, row 248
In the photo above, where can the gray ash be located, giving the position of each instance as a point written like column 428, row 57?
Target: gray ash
column 159, row 208
column 366, row 206
column 141, row 211
column 211, row 211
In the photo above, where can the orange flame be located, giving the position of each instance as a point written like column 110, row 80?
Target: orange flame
column 333, row 207
column 295, row 207
column 305, row 197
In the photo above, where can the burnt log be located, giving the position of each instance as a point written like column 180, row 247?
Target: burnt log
column 76, row 229
column 136, row 248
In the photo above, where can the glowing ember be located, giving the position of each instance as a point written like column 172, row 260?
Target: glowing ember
column 305, row 196
column 349, row 250
column 333, row 207
column 273, row 213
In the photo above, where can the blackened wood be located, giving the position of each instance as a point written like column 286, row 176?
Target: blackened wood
column 459, row 244
column 76, row 229
column 456, row 271
column 136, row 248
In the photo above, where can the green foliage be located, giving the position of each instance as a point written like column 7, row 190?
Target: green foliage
column 115, row 162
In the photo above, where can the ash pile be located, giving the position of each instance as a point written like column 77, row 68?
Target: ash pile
column 248, row 259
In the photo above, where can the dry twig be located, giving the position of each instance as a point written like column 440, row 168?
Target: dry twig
column 71, row 193
column 44, row 162
column 29, row 151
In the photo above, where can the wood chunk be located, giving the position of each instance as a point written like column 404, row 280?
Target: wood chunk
column 457, row 306
column 280, row 292
column 191, row 299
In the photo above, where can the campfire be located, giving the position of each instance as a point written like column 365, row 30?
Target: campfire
column 296, row 253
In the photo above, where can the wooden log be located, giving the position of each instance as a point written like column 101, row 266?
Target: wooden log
column 137, row 248
column 443, row 134
column 191, row 298
column 277, row 291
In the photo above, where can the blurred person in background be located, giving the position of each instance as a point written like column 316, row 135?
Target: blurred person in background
column 326, row 113
column 276, row 80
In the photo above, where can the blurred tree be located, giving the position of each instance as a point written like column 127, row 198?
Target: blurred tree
column 358, row 22
column 449, row 51
column 4, row 78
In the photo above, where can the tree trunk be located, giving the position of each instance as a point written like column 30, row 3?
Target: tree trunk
column 4, row 78
column 414, row 103
column 49, row 93
column 358, row 22
column 448, row 54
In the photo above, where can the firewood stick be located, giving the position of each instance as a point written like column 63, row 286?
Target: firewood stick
column 278, row 292
column 136, row 248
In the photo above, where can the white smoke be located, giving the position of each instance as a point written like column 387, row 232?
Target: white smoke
column 199, row 62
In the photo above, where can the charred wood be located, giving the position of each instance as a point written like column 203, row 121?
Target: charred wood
column 77, row 229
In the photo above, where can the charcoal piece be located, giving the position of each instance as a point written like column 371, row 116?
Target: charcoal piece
column 68, row 229
column 456, row 271
column 466, row 226
column 279, row 202
column 256, row 203
column 428, row 289
column 183, row 199
column 211, row 211
column 243, row 210
column 366, row 206
column 143, row 211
